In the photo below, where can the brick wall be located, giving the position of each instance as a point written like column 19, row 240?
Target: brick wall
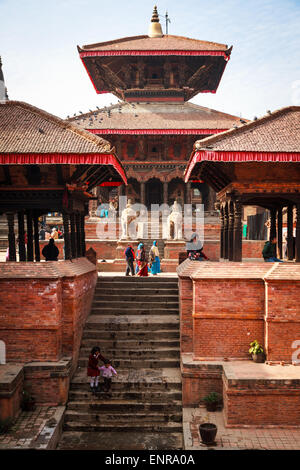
column 282, row 318
column 43, row 308
column 227, row 315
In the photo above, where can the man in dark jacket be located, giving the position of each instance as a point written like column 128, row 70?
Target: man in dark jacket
column 269, row 251
column 50, row 251
column 129, row 255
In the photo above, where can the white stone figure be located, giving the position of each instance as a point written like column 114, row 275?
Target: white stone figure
column 128, row 225
column 175, row 219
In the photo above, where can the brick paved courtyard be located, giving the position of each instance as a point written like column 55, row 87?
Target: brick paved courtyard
column 235, row 438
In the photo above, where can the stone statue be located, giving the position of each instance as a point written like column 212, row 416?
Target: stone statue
column 127, row 217
column 174, row 222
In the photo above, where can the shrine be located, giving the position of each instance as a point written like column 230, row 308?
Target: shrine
column 154, row 124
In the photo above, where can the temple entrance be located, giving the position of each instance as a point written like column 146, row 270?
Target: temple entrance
column 154, row 192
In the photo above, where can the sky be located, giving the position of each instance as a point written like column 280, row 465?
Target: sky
column 41, row 65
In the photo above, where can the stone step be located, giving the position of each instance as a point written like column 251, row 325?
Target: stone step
column 97, row 416
column 142, row 352
column 119, row 407
column 135, row 297
column 135, row 282
column 145, row 380
column 138, row 363
column 88, row 342
column 128, row 427
column 133, row 335
column 133, row 311
column 114, row 323
column 142, row 395
column 114, row 440
column 147, row 280
column 132, row 291
column 122, row 305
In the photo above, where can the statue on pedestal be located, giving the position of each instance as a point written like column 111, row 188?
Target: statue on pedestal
column 127, row 217
column 174, row 223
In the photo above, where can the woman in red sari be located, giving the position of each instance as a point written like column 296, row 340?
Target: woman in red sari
column 142, row 261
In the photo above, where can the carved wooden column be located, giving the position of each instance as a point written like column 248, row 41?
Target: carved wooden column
column 226, row 231
column 78, row 236
column 279, row 231
column 82, row 234
column 11, row 236
column 29, row 237
column 141, row 148
column 237, row 232
column 297, row 242
column 73, row 235
column 21, row 230
column 66, row 219
column 290, row 239
column 143, row 192
column 165, row 192
column 222, row 233
column 141, row 70
column 273, row 223
column 230, row 230
column 188, row 193
column 36, row 238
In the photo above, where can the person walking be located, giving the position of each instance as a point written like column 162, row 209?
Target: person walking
column 142, row 261
column 107, row 371
column 154, row 263
column 130, row 256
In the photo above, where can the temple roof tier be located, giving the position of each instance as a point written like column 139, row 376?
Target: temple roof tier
column 156, row 118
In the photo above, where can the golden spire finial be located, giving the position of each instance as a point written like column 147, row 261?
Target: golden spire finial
column 155, row 30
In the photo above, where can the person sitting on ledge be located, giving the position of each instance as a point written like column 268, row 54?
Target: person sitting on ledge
column 194, row 249
column 50, row 251
column 269, row 251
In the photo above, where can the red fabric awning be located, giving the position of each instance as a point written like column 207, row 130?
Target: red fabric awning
column 154, row 52
column 236, row 156
column 63, row 159
column 157, row 131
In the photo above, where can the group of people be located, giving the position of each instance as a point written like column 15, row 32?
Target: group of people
column 95, row 371
column 46, row 233
column 145, row 264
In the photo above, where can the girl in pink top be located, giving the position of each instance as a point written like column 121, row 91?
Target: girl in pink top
column 107, row 372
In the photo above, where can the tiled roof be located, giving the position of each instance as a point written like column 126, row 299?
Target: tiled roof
column 156, row 116
column 166, row 42
column 275, row 132
column 27, row 129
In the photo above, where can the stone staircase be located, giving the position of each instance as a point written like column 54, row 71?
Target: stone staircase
column 135, row 321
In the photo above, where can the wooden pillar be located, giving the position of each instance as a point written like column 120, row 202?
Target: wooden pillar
column 36, row 238
column 273, row 223
column 66, row 219
column 222, row 233
column 225, row 231
column 29, row 237
column 143, row 192
column 188, row 193
column 73, row 236
column 237, row 232
column 11, row 236
column 165, row 192
column 78, row 243
column 21, row 230
column 82, row 234
column 290, row 239
column 279, row 231
column 230, row 230
column 297, row 244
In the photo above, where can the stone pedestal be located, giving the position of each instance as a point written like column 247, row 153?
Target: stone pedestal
column 173, row 248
